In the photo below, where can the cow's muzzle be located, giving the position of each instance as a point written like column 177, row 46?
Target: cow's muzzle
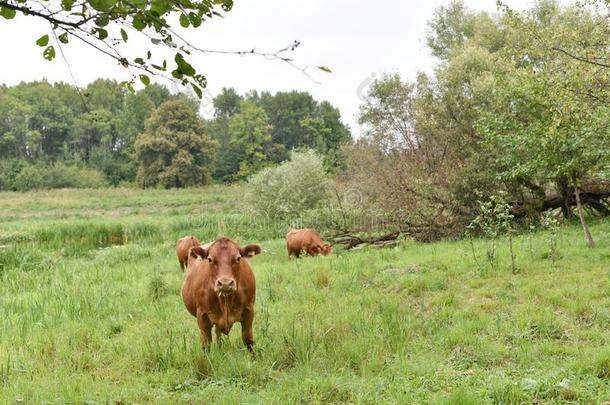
column 225, row 286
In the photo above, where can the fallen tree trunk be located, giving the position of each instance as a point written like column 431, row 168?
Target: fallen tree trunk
column 593, row 195
column 352, row 241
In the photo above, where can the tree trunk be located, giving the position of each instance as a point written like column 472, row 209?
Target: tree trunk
column 581, row 215
column 564, row 190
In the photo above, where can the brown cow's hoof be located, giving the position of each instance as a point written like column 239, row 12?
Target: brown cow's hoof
column 250, row 347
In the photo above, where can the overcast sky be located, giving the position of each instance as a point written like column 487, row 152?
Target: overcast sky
column 353, row 38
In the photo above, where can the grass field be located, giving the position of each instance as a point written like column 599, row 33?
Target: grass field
column 90, row 312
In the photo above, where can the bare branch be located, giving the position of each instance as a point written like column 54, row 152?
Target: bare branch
column 581, row 59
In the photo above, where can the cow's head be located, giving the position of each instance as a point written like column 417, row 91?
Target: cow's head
column 326, row 249
column 224, row 258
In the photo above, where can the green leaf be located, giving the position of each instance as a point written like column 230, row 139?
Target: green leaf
column 124, row 35
column 197, row 90
column 67, row 4
column 324, row 69
column 102, row 20
column 102, row 33
column 183, row 66
column 227, row 5
column 139, row 22
column 194, row 19
column 7, row 13
column 102, row 5
column 140, row 4
column 43, row 40
column 128, row 85
column 49, row 52
column 160, row 7
column 145, row 80
column 184, row 21
column 139, row 61
column 63, row 38
column 177, row 74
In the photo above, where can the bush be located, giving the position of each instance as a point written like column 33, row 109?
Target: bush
column 9, row 170
column 61, row 175
column 21, row 176
column 287, row 190
column 29, row 178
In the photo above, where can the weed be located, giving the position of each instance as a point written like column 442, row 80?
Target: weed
column 157, row 288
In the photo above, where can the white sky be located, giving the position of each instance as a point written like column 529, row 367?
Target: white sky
column 353, row 38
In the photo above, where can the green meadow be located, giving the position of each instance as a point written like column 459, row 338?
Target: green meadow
column 90, row 311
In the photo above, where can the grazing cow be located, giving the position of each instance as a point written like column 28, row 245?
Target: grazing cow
column 306, row 240
column 183, row 245
column 219, row 289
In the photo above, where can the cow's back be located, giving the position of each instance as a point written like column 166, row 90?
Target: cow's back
column 183, row 245
column 298, row 240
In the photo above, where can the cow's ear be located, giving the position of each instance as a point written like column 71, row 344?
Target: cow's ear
column 198, row 252
column 250, row 250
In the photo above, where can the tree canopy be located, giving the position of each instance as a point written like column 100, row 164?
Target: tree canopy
column 261, row 129
column 45, row 124
column 174, row 149
column 517, row 106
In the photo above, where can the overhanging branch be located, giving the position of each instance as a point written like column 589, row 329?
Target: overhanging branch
column 579, row 58
column 48, row 17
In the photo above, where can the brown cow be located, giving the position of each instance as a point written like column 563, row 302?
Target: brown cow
column 219, row 289
column 306, row 240
column 183, row 245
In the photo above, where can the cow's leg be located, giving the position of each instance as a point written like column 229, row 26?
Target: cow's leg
column 219, row 338
column 247, row 336
column 205, row 329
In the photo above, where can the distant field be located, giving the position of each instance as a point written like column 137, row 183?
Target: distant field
column 90, row 312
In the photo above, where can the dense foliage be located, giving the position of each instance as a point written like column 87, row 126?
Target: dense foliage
column 290, row 189
column 258, row 130
column 174, row 150
column 517, row 105
column 95, row 128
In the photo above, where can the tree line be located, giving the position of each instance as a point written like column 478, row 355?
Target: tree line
column 104, row 134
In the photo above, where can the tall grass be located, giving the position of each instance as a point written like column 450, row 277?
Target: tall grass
column 103, row 322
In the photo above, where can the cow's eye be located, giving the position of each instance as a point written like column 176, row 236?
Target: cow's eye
column 238, row 259
column 210, row 259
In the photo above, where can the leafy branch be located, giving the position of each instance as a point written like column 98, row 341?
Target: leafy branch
column 93, row 21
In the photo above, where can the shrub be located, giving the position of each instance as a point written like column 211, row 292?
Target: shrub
column 9, row 169
column 61, row 175
column 29, row 178
column 289, row 189
column 21, row 176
